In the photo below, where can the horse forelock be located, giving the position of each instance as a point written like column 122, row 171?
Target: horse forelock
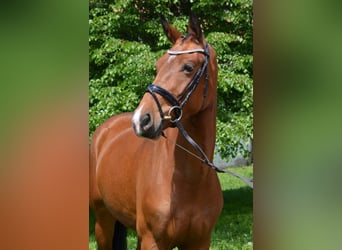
column 190, row 37
column 185, row 37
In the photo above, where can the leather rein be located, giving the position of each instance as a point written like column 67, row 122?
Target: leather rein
column 175, row 112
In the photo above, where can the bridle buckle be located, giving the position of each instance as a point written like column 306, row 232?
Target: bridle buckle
column 176, row 112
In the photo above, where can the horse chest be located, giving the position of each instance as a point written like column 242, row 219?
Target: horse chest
column 175, row 216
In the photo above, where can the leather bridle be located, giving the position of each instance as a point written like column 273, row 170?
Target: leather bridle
column 178, row 104
column 176, row 110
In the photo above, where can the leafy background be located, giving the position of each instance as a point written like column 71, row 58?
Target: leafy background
column 126, row 39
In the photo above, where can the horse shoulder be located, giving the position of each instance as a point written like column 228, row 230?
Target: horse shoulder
column 108, row 130
column 113, row 148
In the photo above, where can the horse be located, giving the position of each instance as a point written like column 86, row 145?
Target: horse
column 144, row 173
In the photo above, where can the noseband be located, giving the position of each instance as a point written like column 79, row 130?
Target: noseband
column 177, row 105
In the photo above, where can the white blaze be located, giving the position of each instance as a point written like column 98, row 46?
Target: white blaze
column 170, row 59
column 136, row 119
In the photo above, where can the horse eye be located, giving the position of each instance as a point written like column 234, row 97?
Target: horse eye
column 188, row 68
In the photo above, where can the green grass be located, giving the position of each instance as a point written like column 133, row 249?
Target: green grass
column 233, row 231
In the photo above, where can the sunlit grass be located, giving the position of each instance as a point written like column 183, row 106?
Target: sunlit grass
column 234, row 230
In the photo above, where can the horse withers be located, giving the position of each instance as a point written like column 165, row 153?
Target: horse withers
column 143, row 173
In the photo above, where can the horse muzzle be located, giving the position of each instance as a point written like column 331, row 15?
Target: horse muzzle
column 145, row 126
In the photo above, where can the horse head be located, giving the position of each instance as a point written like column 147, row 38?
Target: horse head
column 181, row 88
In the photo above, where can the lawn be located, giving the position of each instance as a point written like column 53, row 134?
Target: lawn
column 233, row 231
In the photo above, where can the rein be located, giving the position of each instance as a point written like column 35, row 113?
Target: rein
column 205, row 159
column 177, row 107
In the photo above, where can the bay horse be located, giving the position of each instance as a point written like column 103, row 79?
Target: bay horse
column 143, row 173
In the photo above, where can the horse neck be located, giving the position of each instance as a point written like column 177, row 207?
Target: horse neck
column 202, row 126
column 202, row 130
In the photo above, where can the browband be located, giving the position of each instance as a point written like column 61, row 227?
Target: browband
column 179, row 52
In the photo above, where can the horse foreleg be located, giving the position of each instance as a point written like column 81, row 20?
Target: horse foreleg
column 200, row 244
column 104, row 228
column 139, row 244
column 148, row 243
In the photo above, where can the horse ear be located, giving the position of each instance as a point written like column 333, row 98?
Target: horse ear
column 194, row 27
column 171, row 32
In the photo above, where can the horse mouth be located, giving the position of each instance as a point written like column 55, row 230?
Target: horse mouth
column 145, row 127
column 150, row 133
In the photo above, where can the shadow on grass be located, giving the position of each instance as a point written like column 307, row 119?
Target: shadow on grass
column 91, row 222
column 239, row 197
column 234, row 229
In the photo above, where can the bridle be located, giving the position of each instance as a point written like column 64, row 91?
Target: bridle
column 178, row 104
column 177, row 108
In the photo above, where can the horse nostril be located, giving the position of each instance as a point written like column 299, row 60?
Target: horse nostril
column 145, row 120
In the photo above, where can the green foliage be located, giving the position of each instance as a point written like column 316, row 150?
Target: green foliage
column 126, row 39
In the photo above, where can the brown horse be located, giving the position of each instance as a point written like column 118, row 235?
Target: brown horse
column 151, row 183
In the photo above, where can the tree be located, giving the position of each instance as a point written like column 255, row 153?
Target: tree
column 126, row 39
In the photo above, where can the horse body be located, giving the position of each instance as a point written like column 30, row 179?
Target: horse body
column 149, row 184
